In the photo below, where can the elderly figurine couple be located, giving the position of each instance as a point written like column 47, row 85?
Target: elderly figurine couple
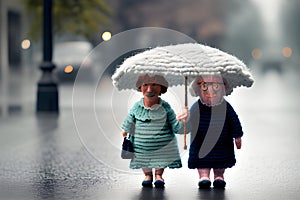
column 212, row 122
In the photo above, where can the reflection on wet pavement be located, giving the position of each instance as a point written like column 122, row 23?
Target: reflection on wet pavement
column 59, row 157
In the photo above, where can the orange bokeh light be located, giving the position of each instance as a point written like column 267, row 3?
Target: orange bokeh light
column 256, row 53
column 287, row 52
column 68, row 69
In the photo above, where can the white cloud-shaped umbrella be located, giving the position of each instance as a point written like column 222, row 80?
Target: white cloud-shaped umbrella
column 175, row 62
column 180, row 64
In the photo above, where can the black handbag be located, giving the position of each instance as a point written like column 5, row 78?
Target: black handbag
column 127, row 149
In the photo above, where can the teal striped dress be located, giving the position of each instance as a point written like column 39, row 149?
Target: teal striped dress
column 154, row 141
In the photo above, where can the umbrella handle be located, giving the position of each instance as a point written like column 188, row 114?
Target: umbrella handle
column 184, row 137
column 185, row 92
column 187, row 108
column 184, row 131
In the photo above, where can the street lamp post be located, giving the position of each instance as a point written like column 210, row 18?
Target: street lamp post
column 47, row 92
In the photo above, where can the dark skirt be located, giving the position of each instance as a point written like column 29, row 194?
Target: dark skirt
column 212, row 136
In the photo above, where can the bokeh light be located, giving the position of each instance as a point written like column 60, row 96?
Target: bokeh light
column 106, row 36
column 256, row 53
column 68, row 69
column 287, row 52
column 25, row 44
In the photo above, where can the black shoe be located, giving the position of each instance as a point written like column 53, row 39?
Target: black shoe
column 147, row 183
column 205, row 184
column 159, row 184
column 218, row 183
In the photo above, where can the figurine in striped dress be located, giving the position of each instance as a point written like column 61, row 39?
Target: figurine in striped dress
column 153, row 125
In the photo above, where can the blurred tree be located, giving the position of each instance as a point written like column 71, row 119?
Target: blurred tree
column 78, row 17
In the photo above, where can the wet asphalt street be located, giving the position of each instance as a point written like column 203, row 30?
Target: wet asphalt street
column 76, row 154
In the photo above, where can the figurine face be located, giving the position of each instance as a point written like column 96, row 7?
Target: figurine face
column 210, row 89
column 146, row 80
column 151, row 90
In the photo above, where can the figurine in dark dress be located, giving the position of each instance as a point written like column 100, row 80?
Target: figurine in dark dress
column 214, row 128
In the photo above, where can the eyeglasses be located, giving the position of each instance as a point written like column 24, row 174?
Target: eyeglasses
column 215, row 85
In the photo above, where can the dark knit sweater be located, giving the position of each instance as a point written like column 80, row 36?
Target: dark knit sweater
column 212, row 133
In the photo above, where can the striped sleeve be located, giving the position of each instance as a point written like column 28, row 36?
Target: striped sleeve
column 129, row 122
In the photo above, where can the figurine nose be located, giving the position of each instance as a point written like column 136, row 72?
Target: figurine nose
column 210, row 89
column 149, row 88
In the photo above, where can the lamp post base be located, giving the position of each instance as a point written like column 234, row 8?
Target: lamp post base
column 47, row 92
column 47, row 98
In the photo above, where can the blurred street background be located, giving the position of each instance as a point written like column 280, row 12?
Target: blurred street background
column 74, row 152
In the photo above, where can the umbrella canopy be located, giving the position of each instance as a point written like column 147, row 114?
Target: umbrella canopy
column 175, row 62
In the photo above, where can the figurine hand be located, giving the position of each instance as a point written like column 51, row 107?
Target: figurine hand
column 183, row 115
column 124, row 134
column 238, row 143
